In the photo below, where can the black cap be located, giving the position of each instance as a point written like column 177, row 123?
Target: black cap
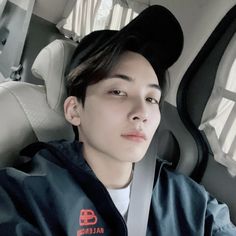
column 155, row 33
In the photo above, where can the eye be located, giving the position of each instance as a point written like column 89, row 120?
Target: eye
column 117, row 92
column 152, row 100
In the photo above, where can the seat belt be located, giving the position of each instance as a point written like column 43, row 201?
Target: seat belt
column 15, row 37
column 2, row 6
column 141, row 192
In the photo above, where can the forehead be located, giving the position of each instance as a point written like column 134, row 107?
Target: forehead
column 135, row 66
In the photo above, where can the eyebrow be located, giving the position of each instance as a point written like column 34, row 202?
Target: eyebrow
column 128, row 78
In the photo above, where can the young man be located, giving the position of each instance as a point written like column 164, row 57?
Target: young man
column 115, row 87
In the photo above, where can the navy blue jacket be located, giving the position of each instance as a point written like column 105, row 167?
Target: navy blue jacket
column 55, row 193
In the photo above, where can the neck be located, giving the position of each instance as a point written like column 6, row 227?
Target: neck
column 114, row 174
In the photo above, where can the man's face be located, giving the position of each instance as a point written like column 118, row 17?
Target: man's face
column 121, row 113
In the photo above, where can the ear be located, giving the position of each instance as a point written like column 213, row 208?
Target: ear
column 71, row 110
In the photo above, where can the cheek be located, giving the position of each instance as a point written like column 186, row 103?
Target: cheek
column 101, row 117
column 155, row 121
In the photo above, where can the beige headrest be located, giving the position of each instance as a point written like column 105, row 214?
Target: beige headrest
column 50, row 66
column 33, row 112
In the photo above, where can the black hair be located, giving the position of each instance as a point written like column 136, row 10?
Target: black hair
column 92, row 70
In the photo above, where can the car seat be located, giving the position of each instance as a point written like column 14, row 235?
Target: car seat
column 31, row 112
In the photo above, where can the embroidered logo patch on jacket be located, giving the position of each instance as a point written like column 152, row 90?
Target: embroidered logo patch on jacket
column 88, row 221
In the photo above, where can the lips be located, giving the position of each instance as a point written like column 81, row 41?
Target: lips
column 135, row 136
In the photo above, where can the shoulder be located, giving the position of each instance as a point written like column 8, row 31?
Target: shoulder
column 37, row 174
column 172, row 179
column 178, row 189
column 36, row 160
column 190, row 199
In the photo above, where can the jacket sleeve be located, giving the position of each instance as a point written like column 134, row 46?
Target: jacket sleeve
column 218, row 220
column 13, row 223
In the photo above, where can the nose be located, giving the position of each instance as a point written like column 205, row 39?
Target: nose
column 138, row 112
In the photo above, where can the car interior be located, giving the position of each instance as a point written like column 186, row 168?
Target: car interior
column 198, row 127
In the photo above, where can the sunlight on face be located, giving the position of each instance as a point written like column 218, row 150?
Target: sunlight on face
column 121, row 112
